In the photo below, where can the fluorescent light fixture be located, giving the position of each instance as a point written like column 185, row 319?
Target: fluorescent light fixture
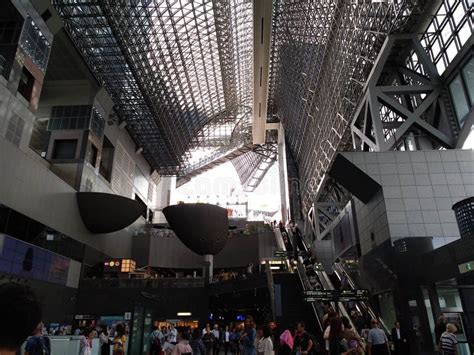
column 184, row 314
column 274, row 268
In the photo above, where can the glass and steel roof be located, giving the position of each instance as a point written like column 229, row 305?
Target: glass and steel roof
column 181, row 75
column 179, row 71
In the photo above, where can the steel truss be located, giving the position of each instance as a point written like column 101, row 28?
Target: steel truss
column 180, row 73
column 322, row 54
column 324, row 211
column 405, row 105
column 254, row 165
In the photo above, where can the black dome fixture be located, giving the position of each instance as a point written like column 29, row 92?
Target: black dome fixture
column 202, row 227
column 106, row 213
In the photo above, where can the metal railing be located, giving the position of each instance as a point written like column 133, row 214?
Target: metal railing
column 167, row 282
column 341, row 271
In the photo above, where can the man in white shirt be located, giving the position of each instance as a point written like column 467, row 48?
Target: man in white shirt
column 215, row 346
column 173, row 334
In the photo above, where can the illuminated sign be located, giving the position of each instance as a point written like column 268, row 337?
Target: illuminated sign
column 124, row 265
column 466, row 267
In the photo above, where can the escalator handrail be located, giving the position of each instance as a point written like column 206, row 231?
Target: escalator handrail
column 339, row 268
column 342, row 308
column 305, row 284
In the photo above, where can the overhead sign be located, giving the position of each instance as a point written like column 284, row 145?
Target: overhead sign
column 283, row 253
column 466, row 267
column 335, row 295
column 353, row 295
column 319, row 295
column 280, row 253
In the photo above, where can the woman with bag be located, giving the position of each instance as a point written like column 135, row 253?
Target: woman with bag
column 264, row 344
column 120, row 340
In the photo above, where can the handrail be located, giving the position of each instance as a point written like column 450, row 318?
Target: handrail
column 271, row 287
column 322, row 275
column 303, row 278
column 301, row 275
column 339, row 269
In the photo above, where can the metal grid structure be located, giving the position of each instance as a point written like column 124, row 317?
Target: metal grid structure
column 322, row 54
column 254, row 165
column 179, row 72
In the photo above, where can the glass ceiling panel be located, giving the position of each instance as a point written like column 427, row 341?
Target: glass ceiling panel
column 179, row 71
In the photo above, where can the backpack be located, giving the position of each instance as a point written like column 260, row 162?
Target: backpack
column 316, row 346
column 42, row 345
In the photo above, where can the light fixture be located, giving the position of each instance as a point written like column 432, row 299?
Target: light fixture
column 184, row 314
column 274, row 268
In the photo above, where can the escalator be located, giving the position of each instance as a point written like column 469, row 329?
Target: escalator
column 288, row 290
column 363, row 306
column 335, row 281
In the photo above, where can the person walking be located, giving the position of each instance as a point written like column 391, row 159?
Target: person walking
column 156, row 341
column 264, row 344
column 440, row 328
column 400, row 340
column 234, row 341
column 226, row 339
column 303, row 344
column 38, row 344
column 286, row 343
column 86, row 342
column 183, row 347
column 248, row 337
column 173, row 334
column 104, row 341
column 354, row 341
column 197, row 345
column 448, row 340
column 208, row 339
column 377, row 340
column 216, row 340
column 337, row 343
column 120, row 340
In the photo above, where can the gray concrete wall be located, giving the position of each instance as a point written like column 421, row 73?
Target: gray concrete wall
column 170, row 252
column 29, row 187
column 418, row 191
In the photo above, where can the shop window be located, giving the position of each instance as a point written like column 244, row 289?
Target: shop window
column 92, row 155
column 468, row 75
column 25, row 87
column 460, row 103
column 106, row 160
column 64, row 149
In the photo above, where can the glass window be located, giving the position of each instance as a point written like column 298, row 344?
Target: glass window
column 447, row 33
column 64, row 149
column 34, row 44
column 458, row 96
column 468, row 74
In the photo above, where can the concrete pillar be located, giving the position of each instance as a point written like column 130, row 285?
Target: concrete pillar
column 209, row 266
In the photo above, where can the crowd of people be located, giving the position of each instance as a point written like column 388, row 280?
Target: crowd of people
column 212, row 340
column 341, row 336
column 114, row 338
